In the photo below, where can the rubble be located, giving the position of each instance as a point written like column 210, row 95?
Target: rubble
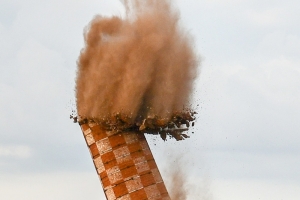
column 173, row 127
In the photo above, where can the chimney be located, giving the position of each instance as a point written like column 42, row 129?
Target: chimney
column 124, row 164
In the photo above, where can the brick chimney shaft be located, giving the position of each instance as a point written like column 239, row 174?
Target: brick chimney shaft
column 124, row 164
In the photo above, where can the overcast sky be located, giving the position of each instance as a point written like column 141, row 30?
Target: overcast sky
column 246, row 141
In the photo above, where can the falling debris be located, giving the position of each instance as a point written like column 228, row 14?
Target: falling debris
column 174, row 127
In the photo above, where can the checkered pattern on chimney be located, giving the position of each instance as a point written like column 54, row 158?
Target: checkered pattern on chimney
column 125, row 164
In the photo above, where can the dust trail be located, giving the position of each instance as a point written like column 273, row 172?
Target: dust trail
column 136, row 66
column 183, row 181
column 179, row 186
column 178, row 192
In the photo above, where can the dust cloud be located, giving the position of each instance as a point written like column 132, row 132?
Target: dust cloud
column 135, row 67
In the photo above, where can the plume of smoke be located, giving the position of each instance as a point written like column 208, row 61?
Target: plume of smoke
column 138, row 66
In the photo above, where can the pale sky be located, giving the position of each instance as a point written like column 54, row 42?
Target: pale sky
column 246, row 140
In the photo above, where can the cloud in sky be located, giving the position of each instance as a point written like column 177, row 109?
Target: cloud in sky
column 15, row 151
column 49, row 186
column 248, row 93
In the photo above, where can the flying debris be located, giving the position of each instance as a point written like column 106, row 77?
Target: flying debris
column 174, row 127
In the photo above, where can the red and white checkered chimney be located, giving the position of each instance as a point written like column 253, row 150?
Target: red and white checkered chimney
column 125, row 164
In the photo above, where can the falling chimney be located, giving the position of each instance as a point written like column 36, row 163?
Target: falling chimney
column 124, row 164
